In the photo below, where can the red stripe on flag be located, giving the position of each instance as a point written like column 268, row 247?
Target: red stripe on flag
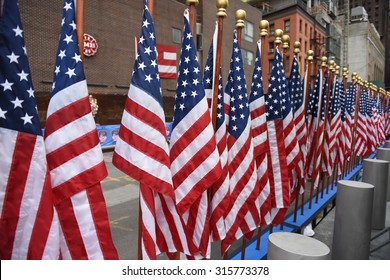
column 21, row 160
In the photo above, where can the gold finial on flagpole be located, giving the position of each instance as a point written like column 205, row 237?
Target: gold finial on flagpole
column 297, row 48
column 264, row 24
column 221, row 6
column 278, row 36
column 240, row 18
column 310, row 55
column 286, row 41
column 192, row 2
column 345, row 72
column 324, row 61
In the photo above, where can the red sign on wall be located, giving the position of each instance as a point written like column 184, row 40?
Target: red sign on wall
column 90, row 45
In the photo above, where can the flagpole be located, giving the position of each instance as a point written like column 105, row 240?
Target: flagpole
column 331, row 73
column 285, row 46
column 351, row 158
column 151, row 7
column 80, row 26
column 315, row 156
column 357, row 107
column 297, row 50
column 264, row 24
column 192, row 14
column 240, row 18
column 221, row 14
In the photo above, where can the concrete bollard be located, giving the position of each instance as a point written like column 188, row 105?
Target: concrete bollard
column 387, row 144
column 294, row 246
column 375, row 173
column 384, row 154
column 352, row 225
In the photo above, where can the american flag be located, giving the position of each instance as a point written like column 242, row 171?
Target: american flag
column 371, row 130
column 243, row 212
column 332, row 129
column 293, row 153
column 379, row 119
column 220, row 193
column 349, row 119
column 340, row 152
column 316, row 118
column 74, row 155
column 277, row 157
column 195, row 162
column 260, row 137
column 142, row 151
column 298, row 103
column 361, row 126
column 29, row 225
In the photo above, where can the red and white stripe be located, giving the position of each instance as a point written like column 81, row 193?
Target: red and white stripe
column 361, row 133
column 29, row 224
column 76, row 165
column 195, row 166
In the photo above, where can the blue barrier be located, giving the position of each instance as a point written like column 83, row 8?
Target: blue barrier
column 289, row 225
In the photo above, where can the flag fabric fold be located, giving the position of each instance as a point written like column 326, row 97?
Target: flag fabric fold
column 29, row 227
column 220, row 193
column 195, row 162
column 74, row 155
column 142, row 152
column 243, row 211
column 260, row 137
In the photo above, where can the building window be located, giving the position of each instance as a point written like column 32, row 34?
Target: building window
column 305, row 46
column 271, row 62
column 176, row 35
column 300, row 26
column 271, row 47
column 247, row 56
column 248, row 31
column 272, row 29
column 287, row 68
column 306, row 29
column 287, row 25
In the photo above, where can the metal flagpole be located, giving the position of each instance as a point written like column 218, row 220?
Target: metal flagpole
column 285, row 46
column 240, row 17
column 263, row 26
column 80, row 26
column 192, row 11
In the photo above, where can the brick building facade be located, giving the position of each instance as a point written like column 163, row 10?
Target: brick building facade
column 115, row 24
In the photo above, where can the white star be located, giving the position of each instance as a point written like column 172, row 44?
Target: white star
column 2, row 113
column 188, row 47
column 196, row 70
column 68, row 39
column 23, row 75
column 25, row 50
column 13, row 58
column 207, row 68
column 141, row 40
column 70, row 72
column 77, row 57
column 234, row 118
column 57, row 71
column 53, row 85
column 141, row 66
column 68, row 6
column 208, row 81
column 187, row 59
column 189, row 35
column 73, row 25
column 18, row 31
column 27, row 119
column 151, row 35
column 184, row 84
column 62, row 54
column 183, row 94
column 194, row 94
column 242, row 116
column 148, row 50
column 145, row 23
column 185, row 71
column 17, row 103
column 195, row 82
column 153, row 63
column 30, row 92
column 235, row 127
column 148, row 78
column 182, row 107
column 7, row 85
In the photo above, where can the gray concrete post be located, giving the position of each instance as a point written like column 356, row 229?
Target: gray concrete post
column 352, row 224
column 293, row 246
column 375, row 173
column 384, row 154
column 387, row 144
